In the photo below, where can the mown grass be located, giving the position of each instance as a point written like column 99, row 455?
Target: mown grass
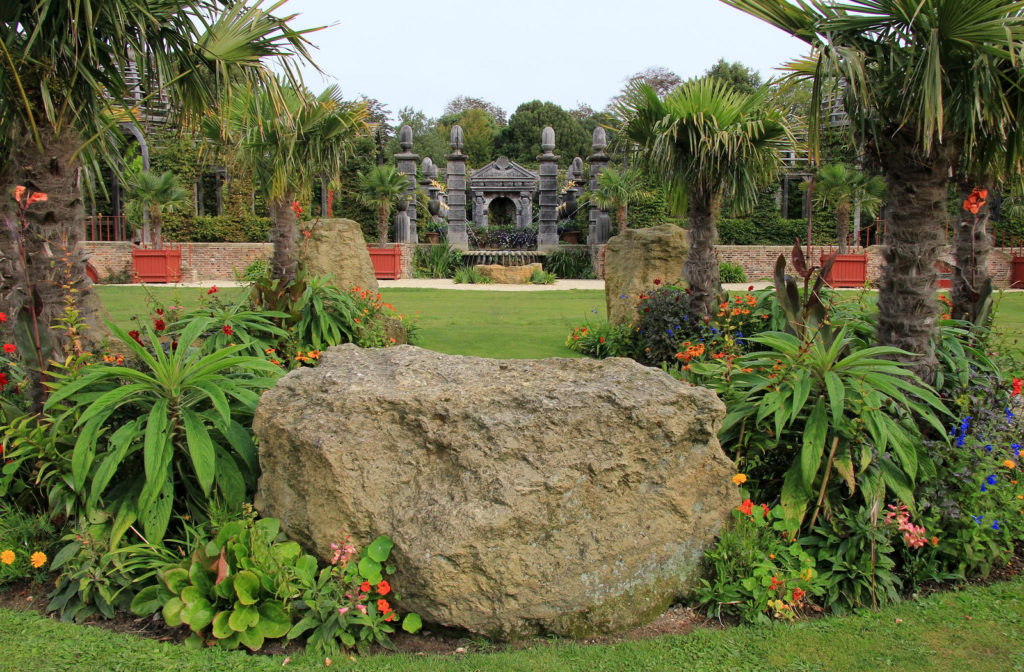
column 977, row 629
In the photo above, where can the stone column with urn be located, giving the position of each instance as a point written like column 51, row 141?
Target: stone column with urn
column 547, row 230
column 600, row 220
column 456, row 178
column 406, row 162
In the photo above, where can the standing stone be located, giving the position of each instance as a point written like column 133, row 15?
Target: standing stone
column 598, row 161
column 525, row 210
column 406, row 162
column 336, row 247
column 634, row 260
column 456, row 171
column 565, row 496
column 403, row 225
column 547, row 230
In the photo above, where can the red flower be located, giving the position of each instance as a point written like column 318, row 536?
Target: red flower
column 976, row 200
column 227, row 329
column 798, row 594
column 390, row 616
column 383, row 587
column 746, row 507
column 212, row 290
column 38, row 196
column 767, row 511
column 750, row 289
column 296, row 208
column 10, row 348
column 3, row 381
column 1018, row 383
column 134, row 334
column 160, row 312
column 776, row 584
column 383, row 606
column 159, row 325
column 3, row 317
column 365, row 587
column 19, row 193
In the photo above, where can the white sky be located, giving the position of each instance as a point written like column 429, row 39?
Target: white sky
column 422, row 54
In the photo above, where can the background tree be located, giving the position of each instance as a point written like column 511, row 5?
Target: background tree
column 922, row 78
column 63, row 89
column 708, row 141
column 290, row 138
column 460, row 104
column 156, row 195
column 616, row 190
column 740, row 77
column 845, row 188
column 381, row 187
column 520, row 140
column 479, row 132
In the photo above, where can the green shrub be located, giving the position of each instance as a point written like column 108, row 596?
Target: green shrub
column 258, row 269
column 217, row 229
column 600, row 339
column 436, row 261
column 731, row 272
column 471, row 275
column 664, row 324
column 569, row 264
column 541, row 277
column 26, row 543
column 756, row 570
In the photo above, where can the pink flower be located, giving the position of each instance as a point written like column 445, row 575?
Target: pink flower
column 361, row 608
column 342, row 611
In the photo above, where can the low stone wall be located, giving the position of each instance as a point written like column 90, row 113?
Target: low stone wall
column 218, row 261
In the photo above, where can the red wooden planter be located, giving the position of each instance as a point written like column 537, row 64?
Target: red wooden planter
column 1017, row 274
column 848, row 270
column 387, row 262
column 162, row 265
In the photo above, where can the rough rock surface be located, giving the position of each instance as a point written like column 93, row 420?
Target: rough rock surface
column 634, row 260
column 508, row 275
column 337, row 247
column 569, row 496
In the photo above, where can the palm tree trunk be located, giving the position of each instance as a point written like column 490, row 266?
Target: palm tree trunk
column 382, row 224
column 971, row 247
column 620, row 217
column 53, row 279
column 157, row 223
column 701, row 266
column 843, row 225
column 907, row 304
column 284, row 263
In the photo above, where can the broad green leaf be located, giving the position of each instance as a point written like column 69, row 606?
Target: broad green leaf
column 176, row 579
column 252, row 638
column 221, row 629
column 380, row 548
column 243, row 617
column 795, row 496
column 305, row 569
column 836, row 396
column 84, row 452
column 156, row 517
column 247, row 587
column 801, row 390
column 369, row 569
column 172, row 612
column 412, row 623
column 274, row 622
column 198, row 614
column 815, row 433
column 147, row 601
column 200, row 449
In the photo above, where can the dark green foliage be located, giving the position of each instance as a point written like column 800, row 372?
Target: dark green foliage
column 665, row 322
column 739, row 77
column 647, row 209
column 211, row 229
column 600, row 339
column 520, row 140
column 569, row 264
column 731, row 272
column 436, row 261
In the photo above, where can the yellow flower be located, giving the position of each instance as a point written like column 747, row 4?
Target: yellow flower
column 38, row 559
column 7, row 557
column 739, row 479
column 1009, row 464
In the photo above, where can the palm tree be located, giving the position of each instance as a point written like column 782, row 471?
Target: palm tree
column 155, row 195
column 616, row 190
column 923, row 79
column 845, row 188
column 381, row 187
column 708, row 141
column 290, row 139
column 64, row 87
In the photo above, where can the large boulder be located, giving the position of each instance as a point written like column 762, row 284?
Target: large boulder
column 566, row 496
column 633, row 260
column 508, row 275
column 337, row 247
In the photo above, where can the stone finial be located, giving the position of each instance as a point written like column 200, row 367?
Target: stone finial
column 456, row 138
column 600, row 139
column 547, row 139
column 425, row 165
column 405, row 137
column 575, row 171
column 403, row 204
column 432, row 175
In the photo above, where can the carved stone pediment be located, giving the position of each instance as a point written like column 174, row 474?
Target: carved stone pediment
column 503, row 175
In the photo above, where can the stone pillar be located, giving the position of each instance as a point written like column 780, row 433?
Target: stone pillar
column 598, row 161
column 429, row 171
column 525, row 210
column 456, row 171
column 406, row 162
column 547, row 230
column 479, row 213
column 403, row 225
column 571, row 199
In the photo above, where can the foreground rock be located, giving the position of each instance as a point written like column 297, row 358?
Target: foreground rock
column 634, row 260
column 337, row 247
column 508, row 275
column 563, row 496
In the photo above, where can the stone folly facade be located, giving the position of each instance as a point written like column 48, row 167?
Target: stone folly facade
column 501, row 182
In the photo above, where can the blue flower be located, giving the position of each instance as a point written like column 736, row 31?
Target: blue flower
column 995, row 525
column 983, row 488
column 623, row 296
column 991, row 480
column 1016, row 448
column 988, row 448
column 978, row 519
column 1009, row 415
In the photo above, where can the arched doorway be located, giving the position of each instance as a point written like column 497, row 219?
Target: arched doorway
column 501, row 212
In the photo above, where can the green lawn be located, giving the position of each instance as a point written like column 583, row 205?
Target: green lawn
column 978, row 629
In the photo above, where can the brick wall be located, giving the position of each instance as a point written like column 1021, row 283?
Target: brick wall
column 199, row 261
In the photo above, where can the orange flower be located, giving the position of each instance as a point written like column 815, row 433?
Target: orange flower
column 383, row 606
column 746, row 507
column 7, row 557
column 38, row 559
column 739, row 479
column 19, row 193
column 365, row 587
column 36, row 197
column 383, row 587
column 1009, row 464
column 798, row 595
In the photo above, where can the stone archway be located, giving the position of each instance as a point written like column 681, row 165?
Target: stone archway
column 502, row 211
